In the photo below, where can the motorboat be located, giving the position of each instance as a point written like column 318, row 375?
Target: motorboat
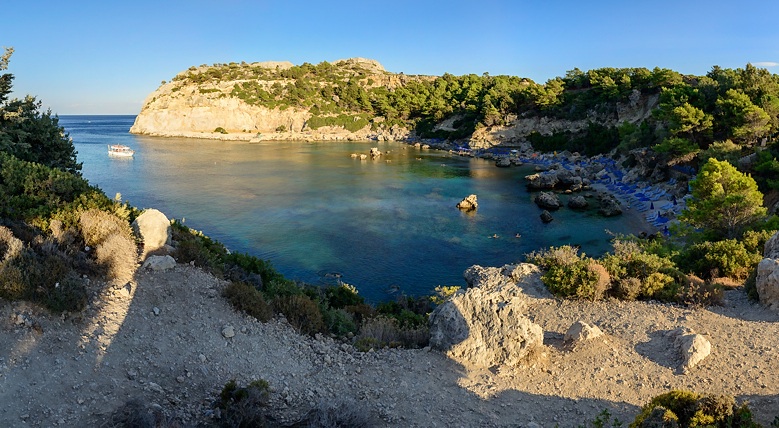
column 120, row 151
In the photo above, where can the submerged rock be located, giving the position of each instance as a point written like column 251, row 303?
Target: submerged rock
column 578, row 203
column 546, row 216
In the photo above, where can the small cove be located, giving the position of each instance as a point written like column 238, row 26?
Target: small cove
column 320, row 215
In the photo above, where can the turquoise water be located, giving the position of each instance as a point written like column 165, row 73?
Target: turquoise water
column 316, row 213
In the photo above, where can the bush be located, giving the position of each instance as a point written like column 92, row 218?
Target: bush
column 244, row 406
column 690, row 409
column 246, row 298
column 729, row 258
column 750, row 286
column 342, row 295
column 301, row 312
column 554, row 256
column 220, row 130
column 697, row 292
column 115, row 247
column 627, row 288
column 382, row 331
column 585, row 279
column 342, row 413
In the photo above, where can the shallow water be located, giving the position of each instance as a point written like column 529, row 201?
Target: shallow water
column 318, row 214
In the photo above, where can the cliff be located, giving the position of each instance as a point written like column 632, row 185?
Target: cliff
column 232, row 102
column 357, row 99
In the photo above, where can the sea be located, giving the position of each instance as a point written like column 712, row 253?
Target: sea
column 387, row 226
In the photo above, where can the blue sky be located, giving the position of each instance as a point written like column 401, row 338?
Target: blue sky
column 105, row 57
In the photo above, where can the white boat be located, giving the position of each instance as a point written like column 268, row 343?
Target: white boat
column 120, row 151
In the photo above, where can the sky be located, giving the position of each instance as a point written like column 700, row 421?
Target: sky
column 106, row 57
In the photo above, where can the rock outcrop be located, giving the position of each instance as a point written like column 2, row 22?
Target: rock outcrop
column 487, row 325
column 767, row 281
column 578, row 203
column 693, row 347
column 469, row 203
column 211, row 102
column 609, row 205
column 580, row 332
column 152, row 228
column 548, row 200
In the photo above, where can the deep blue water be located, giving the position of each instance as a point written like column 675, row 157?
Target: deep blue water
column 314, row 211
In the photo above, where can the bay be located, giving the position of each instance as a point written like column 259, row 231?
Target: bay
column 386, row 226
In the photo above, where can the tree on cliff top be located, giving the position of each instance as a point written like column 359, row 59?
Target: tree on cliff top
column 724, row 201
column 29, row 134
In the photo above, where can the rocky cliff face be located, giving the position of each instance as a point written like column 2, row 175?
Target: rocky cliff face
column 636, row 109
column 183, row 108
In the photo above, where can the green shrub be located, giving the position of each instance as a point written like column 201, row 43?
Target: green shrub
column 339, row 322
column 246, row 298
column 301, row 312
column 690, row 409
column 729, row 258
column 342, row 295
column 554, row 256
column 220, row 130
column 585, row 279
column 655, row 283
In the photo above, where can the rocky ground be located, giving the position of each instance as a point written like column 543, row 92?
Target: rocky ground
column 171, row 341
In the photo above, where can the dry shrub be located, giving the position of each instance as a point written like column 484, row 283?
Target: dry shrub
column 382, row 331
column 628, row 288
column 244, row 406
column 137, row 414
column 245, row 297
column 115, row 247
column 341, row 413
column 565, row 255
column 697, row 292
column 10, row 246
column 301, row 312
column 602, row 279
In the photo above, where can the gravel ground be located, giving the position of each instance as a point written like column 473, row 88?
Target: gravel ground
column 172, row 342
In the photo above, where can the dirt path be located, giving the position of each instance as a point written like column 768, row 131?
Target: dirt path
column 163, row 341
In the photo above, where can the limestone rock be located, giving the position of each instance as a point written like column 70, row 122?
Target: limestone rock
column 546, row 216
column 578, row 203
column 468, row 204
column 694, row 348
column 228, row 331
column 580, row 331
column 486, row 326
column 503, row 162
column 375, row 152
column 152, row 227
column 767, row 282
column 609, row 206
column 541, row 181
column 771, row 248
column 547, row 200
column 159, row 263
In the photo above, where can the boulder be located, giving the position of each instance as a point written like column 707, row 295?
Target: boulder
column 771, row 248
column 578, row 203
column 694, row 348
column 767, row 281
column 486, row 326
column 503, row 162
column 546, row 216
column 609, row 206
column 546, row 180
column 468, row 204
column 152, row 228
column 159, row 263
column 375, row 152
column 548, row 200
column 579, row 332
